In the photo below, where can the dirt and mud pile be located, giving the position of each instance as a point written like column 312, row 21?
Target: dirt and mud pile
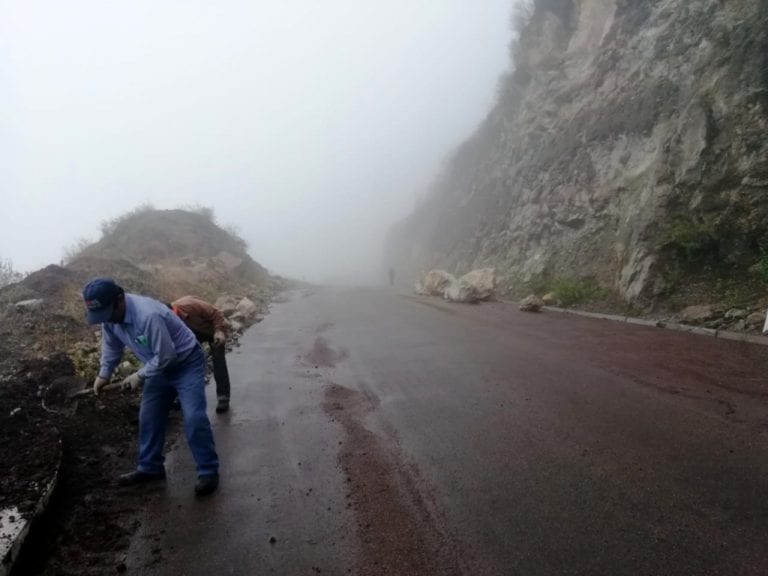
column 183, row 252
column 45, row 342
column 87, row 525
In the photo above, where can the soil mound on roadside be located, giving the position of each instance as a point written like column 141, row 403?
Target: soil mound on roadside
column 185, row 252
column 44, row 338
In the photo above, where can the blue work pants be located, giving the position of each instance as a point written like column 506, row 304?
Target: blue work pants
column 187, row 380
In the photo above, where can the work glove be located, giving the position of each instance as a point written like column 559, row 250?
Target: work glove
column 133, row 382
column 99, row 383
column 219, row 338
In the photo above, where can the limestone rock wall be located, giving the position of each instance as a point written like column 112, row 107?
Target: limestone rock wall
column 628, row 134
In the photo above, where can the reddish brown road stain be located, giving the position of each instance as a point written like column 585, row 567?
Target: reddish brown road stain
column 324, row 327
column 726, row 375
column 322, row 354
column 397, row 533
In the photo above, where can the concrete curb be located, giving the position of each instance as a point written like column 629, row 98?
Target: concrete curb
column 13, row 534
column 722, row 334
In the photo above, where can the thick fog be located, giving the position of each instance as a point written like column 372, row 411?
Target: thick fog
column 310, row 126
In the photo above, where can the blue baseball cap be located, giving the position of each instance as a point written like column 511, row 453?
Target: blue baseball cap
column 100, row 295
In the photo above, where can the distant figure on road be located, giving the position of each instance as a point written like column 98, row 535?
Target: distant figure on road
column 174, row 364
column 208, row 325
column 391, row 276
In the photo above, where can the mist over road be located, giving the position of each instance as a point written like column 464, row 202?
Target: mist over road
column 377, row 433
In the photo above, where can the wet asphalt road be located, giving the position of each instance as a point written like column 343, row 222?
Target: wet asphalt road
column 376, row 433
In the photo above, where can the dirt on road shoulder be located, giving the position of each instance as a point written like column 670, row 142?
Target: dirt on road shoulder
column 88, row 523
column 398, row 535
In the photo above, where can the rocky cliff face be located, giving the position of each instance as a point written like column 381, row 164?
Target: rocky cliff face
column 629, row 144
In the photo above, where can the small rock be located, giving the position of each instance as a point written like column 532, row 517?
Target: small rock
column 34, row 304
column 272, row 539
column 532, row 304
column 755, row 319
column 698, row 313
column 736, row 314
column 549, row 299
column 227, row 305
column 740, row 326
column 16, row 411
column 246, row 309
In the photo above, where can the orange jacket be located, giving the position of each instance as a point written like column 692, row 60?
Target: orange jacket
column 202, row 318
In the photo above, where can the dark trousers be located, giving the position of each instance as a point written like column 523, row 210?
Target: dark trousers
column 220, row 372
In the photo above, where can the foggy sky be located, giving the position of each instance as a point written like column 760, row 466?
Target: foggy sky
column 310, row 126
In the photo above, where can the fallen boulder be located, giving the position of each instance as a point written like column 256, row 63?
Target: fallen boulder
column 698, row 313
column 461, row 291
column 481, row 282
column 227, row 304
column 474, row 286
column 532, row 304
column 435, row 282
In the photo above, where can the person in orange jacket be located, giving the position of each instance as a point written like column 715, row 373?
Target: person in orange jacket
column 208, row 325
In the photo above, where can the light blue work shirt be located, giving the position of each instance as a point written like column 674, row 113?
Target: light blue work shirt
column 152, row 331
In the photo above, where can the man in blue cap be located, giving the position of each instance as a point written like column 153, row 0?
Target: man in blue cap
column 174, row 364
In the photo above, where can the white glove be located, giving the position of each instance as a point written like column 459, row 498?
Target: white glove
column 133, row 382
column 99, row 383
column 219, row 338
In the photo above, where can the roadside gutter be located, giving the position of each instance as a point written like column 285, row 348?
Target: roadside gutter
column 711, row 332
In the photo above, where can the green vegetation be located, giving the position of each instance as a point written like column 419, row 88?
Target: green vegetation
column 760, row 268
column 74, row 251
column 149, row 236
column 570, row 291
column 689, row 246
column 689, row 239
column 108, row 227
column 7, row 273
column 722, row 249
column 540, row 285
column 673, row 275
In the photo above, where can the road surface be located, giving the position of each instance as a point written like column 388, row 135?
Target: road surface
column 373, row 433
